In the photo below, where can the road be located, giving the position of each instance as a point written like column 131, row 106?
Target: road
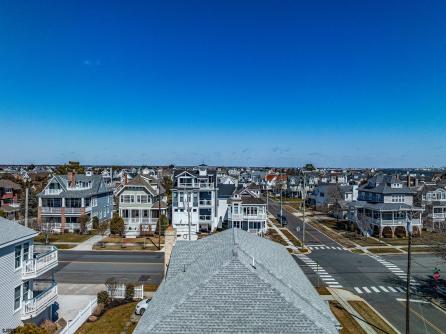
column 95, row 267
column 373, row 278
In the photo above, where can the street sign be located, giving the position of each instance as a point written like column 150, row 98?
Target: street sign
column 298, row 229
column 436, row 276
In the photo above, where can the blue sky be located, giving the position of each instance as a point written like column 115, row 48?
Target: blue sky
column 278, row 83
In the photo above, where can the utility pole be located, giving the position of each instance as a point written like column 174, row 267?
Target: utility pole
column 159, row 213
column 281, row 206
column 303, row 212
column 186, row 194
column 409, row 254
column 26, row 206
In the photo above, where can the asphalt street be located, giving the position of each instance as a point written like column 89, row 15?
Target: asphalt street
column 378, row 280
column 95, row 267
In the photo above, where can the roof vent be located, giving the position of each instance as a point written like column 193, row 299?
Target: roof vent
column 253, row 262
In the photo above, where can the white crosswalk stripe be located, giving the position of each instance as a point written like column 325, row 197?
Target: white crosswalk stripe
column 325, row 247
column 395, row 270
column 320, row 271
column 379, row 289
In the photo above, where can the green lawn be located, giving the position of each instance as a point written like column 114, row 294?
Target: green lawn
column 64, row 246
column 384, row 250
column 66, row 237
column 112, row 321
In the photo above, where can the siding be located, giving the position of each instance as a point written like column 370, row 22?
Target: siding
column 9, row 280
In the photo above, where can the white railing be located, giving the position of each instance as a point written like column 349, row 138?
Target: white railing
column 32, row 307
column 260, row 216
column 137, row 221
column 81, row 317
column 119, row 292
column 72, row 210
column 439, row 215
column 46, row 259
column 53, row 191
column 205, row 202
column 46, row 209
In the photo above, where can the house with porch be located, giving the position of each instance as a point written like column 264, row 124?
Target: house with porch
column 67, row 198
column 247, row 211
column 384, row 206
column 9, row 198
column 26, row 296
column 194, row 202
column 141, row 202
column 432, row 198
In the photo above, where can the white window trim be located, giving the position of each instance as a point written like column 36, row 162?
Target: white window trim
column 20, row 294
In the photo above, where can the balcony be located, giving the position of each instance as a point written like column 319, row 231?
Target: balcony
column 43, row 297
column 240, row 217
column 205, row 218
column 140, row 221
column 51, row 210
column 52, row 191
column 45, row 258
column 72, row 210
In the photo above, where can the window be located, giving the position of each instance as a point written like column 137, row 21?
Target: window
column 25, row 290
column 18, row 256
column 127, row 199
column 17, row 297
column 26, row 252
column 142, row 199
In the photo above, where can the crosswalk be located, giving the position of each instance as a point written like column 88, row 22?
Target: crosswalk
column 395, row 270
column 378, row 289
column 325, row 277
column 321, row 247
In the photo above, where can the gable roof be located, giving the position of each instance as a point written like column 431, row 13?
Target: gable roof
column 6, row 183
column 12, row 232
column 212, row 287
column 95, row 189
column 143, row 182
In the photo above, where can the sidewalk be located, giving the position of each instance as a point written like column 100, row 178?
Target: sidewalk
column 87, row 244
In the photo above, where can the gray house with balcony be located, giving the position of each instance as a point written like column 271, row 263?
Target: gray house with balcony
column 67, row 198
column 384, row 206
column 24, row 296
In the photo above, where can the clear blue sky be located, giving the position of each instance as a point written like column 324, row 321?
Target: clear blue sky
column 336, row 83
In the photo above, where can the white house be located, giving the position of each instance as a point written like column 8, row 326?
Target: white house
column 433, row 201
column 24, row 295
column 140, row 203
column 247, row 211
column 194, row 202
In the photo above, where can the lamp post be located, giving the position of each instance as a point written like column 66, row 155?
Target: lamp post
column 409, row 253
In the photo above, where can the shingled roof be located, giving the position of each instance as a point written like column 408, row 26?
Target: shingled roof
column 12, row 232
column 235, row 282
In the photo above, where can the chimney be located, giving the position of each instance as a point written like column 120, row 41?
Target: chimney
column 170, row 235
column 71, row 179
column 408, row 180
column 125, row 178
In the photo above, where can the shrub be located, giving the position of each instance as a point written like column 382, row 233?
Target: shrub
column 29, row 329
column 95, row 221
column 49, row 326
column 103, row 298
column 117, row 225
column 129, row 292
column 98, row 310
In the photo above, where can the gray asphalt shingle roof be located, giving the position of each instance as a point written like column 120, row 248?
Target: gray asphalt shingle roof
column 94, row 190
column 212, row 287
column 11, row 231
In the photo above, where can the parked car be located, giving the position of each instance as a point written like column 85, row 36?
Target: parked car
column 282, row 220
column 142, row 306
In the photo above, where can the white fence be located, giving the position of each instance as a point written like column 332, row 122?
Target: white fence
column 81, row 317
column 119, row 292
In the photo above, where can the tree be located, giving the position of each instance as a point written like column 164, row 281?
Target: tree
column 112, row 285
column 102, row 228
column 2, row 213
column 164, row 222
column 95, row 222
column 103, row 298
column 129, row 292
column 117, row 225
column 71, row 166
column 83, row 221
column 309, row 167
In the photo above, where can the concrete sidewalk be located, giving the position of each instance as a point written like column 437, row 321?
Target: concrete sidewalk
column 87, row 245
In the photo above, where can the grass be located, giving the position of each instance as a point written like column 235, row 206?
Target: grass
column 384, row 250
column 367, row 241
column 113, row 321
column 64, row 246
column 127, row 248
column 274, row 236
column 357, row 251
column 150, row 287
column 420, row 249
column 322, row 290
column 370, row 316
column 348, row 323
column 291, row 237
column 66, row 237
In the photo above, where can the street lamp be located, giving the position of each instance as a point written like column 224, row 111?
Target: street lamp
column 409, row 229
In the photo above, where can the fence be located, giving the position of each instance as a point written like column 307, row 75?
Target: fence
column 81, row 317
column 119, row 292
